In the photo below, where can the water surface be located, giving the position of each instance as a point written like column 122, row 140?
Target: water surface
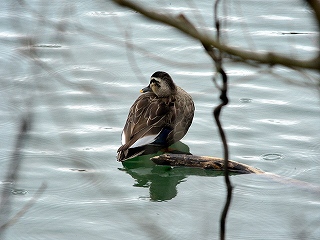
column 77, row 68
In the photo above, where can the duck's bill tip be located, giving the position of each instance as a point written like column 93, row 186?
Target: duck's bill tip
column 146, row 89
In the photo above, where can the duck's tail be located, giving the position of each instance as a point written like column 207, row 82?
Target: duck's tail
column 129, row 153
column 126, row 154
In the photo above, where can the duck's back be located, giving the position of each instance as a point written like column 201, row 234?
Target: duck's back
column 184, row 108
column 156, row 121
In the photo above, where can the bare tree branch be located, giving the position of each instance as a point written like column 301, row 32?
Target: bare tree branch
column 315, row 5
column 27, row 206
column 216, row 114
column 179, row 23
column 217, row 58
column 12, row 173
column 217, row 50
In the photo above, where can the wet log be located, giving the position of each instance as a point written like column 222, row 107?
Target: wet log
column 203, row 162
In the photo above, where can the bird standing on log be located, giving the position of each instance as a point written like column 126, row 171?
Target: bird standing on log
column 160, row 116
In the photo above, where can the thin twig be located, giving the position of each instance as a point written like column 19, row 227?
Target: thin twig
column 217, row 57
column 315, row 6
column 12, row 174
column 216, row 114
column 26, row 207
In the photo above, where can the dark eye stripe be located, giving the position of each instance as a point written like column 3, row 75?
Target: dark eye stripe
column 155, row 82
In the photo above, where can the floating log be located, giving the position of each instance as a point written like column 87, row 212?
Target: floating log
column 203, row 162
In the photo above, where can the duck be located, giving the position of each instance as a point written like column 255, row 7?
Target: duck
column 160, row 117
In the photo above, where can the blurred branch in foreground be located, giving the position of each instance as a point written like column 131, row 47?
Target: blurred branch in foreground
column 218, row 50
column 270, row 58
column 11, row 178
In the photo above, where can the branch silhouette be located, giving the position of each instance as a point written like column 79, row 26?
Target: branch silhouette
column 12, row 175
column 179, row 22
column 217, row 50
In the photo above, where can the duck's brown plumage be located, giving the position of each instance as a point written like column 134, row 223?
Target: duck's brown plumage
column 171, row 115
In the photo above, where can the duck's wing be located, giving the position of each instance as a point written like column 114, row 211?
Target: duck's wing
column 146, row 119
column 184, row 109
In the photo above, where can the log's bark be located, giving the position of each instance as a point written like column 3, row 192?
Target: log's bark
column 203, row 162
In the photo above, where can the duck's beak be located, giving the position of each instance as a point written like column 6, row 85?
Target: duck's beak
column 146, row 89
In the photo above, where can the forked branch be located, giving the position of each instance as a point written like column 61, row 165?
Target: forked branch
column 270, row 58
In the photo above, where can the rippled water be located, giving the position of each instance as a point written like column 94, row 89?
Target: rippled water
column 77, row 68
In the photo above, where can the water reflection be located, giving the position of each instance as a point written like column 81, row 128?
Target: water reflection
column 162, row 181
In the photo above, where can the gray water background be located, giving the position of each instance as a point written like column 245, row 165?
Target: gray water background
column 76, row 68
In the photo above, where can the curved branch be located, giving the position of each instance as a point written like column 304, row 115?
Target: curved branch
column 315, row 5
column 181, row 23
column 216, row 114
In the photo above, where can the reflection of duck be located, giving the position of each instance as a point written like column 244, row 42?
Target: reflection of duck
column 162, row 181
column 158, row 118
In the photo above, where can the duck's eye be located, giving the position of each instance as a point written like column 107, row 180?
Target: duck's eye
column 155, row 82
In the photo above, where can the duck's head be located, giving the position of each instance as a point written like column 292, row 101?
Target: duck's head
column 161, row 84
